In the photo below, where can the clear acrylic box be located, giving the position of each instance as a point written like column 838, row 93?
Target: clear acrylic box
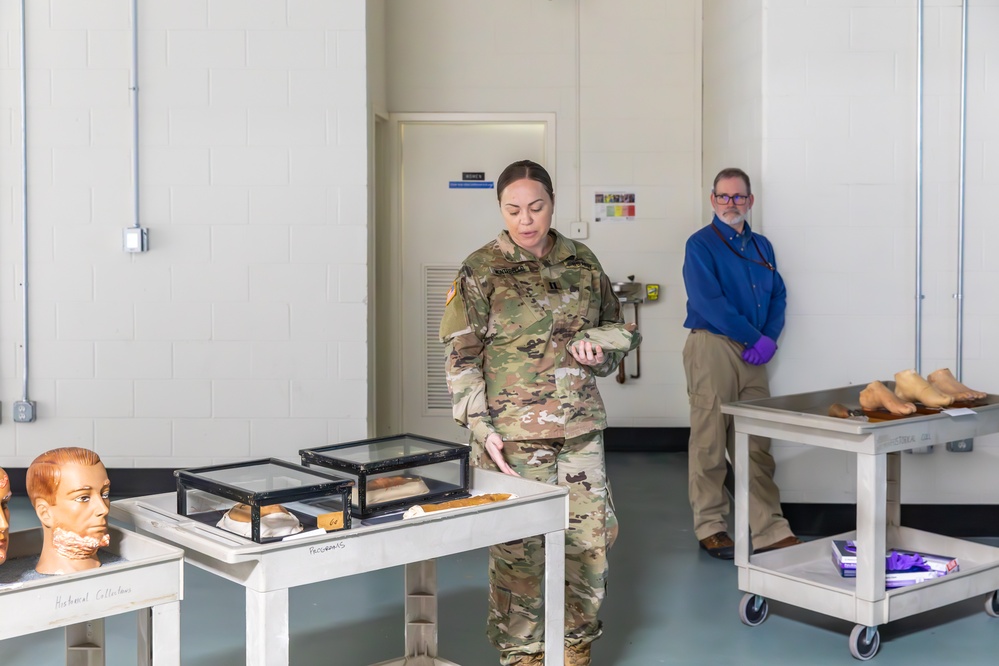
column 260, row 499
column 392, row 473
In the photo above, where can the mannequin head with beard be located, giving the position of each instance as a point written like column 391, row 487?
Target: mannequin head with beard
column 732, row 197
column 4, row 515
column 70, row 490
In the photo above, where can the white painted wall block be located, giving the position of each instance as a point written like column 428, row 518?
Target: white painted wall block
column 200, row 327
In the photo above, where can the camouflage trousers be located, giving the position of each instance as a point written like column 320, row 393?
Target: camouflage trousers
column 516, row 569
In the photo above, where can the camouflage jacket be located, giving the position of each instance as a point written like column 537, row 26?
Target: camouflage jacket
column 506, row 327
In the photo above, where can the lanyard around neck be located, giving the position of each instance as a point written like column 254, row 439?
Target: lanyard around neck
column 764, row 262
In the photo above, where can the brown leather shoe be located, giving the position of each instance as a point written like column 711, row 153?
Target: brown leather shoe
column 577, row 655
column 783, row 543
column 719, row 545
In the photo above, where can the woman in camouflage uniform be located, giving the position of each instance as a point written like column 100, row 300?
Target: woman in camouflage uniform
column 530, row 322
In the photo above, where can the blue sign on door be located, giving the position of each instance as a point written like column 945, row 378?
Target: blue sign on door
column 471, row 185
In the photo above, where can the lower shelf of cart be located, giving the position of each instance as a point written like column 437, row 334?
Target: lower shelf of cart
column 805, row 576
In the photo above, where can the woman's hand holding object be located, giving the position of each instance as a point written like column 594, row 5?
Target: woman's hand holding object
column 587, row 353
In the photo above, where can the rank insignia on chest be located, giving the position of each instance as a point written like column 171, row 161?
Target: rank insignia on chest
column 451, row 292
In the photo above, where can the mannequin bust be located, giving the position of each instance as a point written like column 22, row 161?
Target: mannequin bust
column 70, row 490
column 4, row 514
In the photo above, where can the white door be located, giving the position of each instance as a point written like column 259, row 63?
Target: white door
column 443, row 215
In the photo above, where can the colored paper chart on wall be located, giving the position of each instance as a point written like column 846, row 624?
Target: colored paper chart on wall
column 614, row 206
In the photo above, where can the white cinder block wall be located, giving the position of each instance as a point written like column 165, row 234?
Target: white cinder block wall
column 837, row 194
column 242, row 332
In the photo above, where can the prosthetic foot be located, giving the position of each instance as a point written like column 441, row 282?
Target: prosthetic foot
column 943, row 381
column 879, row 396
column 910, row 386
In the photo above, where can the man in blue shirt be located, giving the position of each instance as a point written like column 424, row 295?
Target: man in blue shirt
column 735, row 313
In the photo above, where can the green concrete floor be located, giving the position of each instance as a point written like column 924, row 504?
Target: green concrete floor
column 668, row 603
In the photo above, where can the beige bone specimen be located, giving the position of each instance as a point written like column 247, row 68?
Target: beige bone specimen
column 910, row 386
column 943, row 381
column 879, row 396
column 391, row 488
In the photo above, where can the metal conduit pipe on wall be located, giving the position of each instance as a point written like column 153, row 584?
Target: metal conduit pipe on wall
column 24, row 409
column 919, row 187
column 919, row 204
column 135, row 114
column 961, row 445
column 959, row 296
column 134, row 237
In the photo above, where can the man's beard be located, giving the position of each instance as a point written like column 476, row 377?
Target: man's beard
column 734, row 222
column 73, row 546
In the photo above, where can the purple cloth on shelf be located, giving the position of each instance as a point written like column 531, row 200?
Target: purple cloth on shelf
column 896, row 561
column 906, row 562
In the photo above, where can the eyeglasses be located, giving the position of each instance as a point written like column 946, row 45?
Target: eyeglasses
column 737, row 199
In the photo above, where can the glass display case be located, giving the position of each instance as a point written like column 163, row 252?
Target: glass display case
column 392, row 473
column 264, row 500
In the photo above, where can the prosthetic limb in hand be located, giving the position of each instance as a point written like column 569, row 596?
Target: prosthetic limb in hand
column 945, row 382
column 910, row 386
column 879, row 396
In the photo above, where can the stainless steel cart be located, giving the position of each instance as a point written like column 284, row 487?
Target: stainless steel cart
column 804, row 575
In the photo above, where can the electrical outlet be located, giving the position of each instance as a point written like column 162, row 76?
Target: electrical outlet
column 24, row 411
column 961, row 445
column 135, row 239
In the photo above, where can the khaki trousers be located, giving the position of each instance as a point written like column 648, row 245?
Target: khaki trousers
column 717, row 374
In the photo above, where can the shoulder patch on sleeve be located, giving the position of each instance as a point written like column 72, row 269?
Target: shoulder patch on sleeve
column 455, row 319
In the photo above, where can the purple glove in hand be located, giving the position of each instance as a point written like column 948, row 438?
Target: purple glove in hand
column 761, row 352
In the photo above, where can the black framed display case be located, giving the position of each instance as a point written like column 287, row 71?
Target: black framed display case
column 317, row 498
column 392, row 473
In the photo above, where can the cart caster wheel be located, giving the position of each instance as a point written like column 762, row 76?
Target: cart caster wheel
column 864, row 642
column 753, row 610
column 992, row 604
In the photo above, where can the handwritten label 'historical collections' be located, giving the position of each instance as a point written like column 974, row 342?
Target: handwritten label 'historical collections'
column 70, row 600
column 327, row 548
